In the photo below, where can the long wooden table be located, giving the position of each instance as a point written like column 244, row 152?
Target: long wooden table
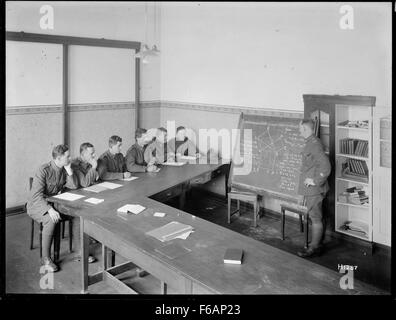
column 199, row 268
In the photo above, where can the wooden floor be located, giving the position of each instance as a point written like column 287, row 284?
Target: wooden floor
column 23, row 264
column 373, row 269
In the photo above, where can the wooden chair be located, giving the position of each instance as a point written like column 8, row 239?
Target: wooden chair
column 249, row 197
column 301, row 210
column 60, row 228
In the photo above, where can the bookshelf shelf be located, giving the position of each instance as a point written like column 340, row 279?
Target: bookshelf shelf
column 353, row 128
column 352, row 181
column 351, row 156
column 360, row 206
column 354, row 234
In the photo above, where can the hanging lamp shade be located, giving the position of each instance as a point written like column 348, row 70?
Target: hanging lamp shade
column 143, row 52
column 155, row 50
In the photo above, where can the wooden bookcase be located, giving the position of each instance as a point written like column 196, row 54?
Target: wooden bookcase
column 353, row 169
column 329, row 111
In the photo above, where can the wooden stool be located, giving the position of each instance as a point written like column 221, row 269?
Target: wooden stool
column 246, row 197
column 302, row 212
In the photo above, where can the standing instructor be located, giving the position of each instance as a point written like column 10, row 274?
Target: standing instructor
column 313, row 184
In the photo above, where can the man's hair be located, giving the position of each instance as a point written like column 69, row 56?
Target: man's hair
column 139, row 132
column 113, row 140
column 308, row 123
column 84, row 146
column 59, row 150
column 162, row 129
column 180, row 128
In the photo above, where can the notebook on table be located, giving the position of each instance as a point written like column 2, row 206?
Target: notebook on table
column 170, row 231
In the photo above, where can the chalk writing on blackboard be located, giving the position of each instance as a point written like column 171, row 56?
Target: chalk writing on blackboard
column 276, row 147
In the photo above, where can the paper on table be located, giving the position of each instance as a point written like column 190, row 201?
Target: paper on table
column 110, row 185
column 68, row 196
column 169, row 231
column 132, row 208
column 130, row 179
column 159, row 214
column 185, row 235
column 94, row 200
column 188, row 157
column 171, row 163
column 95, row 188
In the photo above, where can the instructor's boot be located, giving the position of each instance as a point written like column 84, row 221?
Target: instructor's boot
column 310, row 252
column 49, row 264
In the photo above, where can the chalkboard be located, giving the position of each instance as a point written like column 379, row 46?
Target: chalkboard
column 274, row 154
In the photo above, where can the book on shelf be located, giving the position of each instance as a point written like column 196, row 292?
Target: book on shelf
column 363, row 124
column 355, row 147
column 355, row 226
column 353, row 168
column 354, row 195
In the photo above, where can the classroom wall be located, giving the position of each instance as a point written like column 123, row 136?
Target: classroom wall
column 101, row 83
column 217, row 59
column 267, row 55
column 219, row 56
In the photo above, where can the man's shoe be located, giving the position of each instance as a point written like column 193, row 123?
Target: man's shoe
column 49, row 264
column 310, row 252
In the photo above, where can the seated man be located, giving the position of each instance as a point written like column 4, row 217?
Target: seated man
column 157, row 150
column 111, row 164
column 50, row 179
column 135, row 155
column 85, row 169
column 181, row 145
column 85, row 166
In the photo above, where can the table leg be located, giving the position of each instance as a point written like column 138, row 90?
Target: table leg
column 229, row 210
column 255, row 214
column 182, row 198
column 104, row 257
column 164, row 287
column 283, row 223
column 227, row 175
column 188, row 286
column 110, row 256
column 306, row 232
column 84, row 257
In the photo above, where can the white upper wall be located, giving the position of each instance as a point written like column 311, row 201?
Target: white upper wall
column 267, row 55
column 109, row 20
column 264, row 55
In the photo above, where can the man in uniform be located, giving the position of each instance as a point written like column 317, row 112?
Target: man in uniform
column 135, row 155
column 111, row 165
column 50, row 179
column 85, row 169
column 181, row 145
column 313, row 184
column 85, row 166
column 157, row 150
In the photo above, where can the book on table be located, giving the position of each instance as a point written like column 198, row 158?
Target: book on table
column 233, row 256
column 170, row 231
column 131, row 208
